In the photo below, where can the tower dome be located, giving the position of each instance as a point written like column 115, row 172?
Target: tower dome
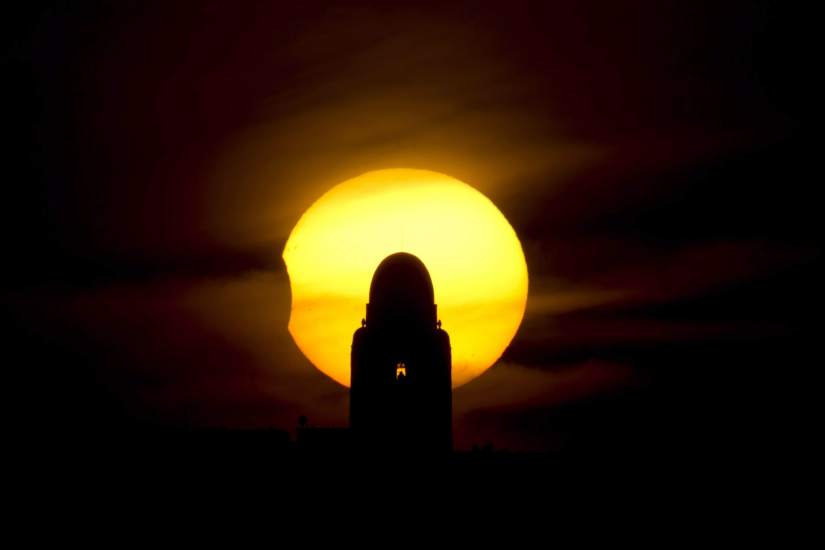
column 401, row 277
column 401, row 293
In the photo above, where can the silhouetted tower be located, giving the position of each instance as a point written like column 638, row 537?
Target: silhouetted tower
column 401, row 387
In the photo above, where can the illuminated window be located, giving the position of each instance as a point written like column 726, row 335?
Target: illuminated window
column 400, row 370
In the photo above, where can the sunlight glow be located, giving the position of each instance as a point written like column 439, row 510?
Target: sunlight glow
column 472, row 253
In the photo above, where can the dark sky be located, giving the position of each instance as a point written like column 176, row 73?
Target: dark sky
column 654, row 158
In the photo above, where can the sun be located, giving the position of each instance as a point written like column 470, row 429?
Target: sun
column 472, row 253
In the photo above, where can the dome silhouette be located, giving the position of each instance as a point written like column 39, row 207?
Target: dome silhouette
column 401, row 293
column 401, row 277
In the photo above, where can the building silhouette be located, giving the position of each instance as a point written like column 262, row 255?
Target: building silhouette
column 401, row 390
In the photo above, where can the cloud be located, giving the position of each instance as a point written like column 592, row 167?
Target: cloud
column 484, row 408
column 211, row 351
